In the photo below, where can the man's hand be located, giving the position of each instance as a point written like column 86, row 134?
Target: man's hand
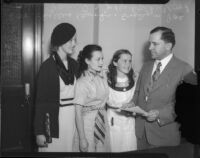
column 152, row 115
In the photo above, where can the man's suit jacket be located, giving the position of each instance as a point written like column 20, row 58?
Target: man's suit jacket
column 162, row 98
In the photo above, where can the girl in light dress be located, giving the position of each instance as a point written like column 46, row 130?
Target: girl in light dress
column 91, row 94
column 121, row 81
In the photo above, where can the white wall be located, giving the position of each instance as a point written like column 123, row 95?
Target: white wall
column 127, row 26
column 181, row 18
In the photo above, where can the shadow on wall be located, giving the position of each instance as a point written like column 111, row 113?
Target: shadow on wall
column 146, row 53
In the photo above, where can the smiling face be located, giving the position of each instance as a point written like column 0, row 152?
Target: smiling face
column 123, row 64
column 69, row 46
column 95, row 64
column 159, row 48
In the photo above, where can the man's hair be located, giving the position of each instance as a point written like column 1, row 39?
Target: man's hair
column 167, row 34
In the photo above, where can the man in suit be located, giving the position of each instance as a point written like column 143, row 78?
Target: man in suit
column 155, row 91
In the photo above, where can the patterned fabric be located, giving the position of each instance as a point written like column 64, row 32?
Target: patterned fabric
column 154, row 78
column 47, row 125
column 99, row 129
column 156, row 73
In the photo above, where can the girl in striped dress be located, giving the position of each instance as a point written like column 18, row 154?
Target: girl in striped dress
column 91, row 94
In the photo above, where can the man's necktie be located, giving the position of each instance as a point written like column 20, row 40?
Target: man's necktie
column 154, row 78
column 156, row 73
column 99, row 129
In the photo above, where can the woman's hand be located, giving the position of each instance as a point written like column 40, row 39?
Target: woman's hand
column 41, row 141
column 83, row 145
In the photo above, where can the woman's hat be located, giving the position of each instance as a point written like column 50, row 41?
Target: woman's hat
column 62, row 33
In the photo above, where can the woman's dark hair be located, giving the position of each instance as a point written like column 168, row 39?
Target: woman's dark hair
column 112, row 74
column 86, row 53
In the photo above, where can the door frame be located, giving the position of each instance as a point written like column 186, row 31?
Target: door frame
column 32, row 24
column 32, row 32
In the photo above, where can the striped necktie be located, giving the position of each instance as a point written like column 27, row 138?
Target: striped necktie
column 154, row 78
column 156, row 73
column 99, row 128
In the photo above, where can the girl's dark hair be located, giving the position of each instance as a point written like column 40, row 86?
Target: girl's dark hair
column 112, row 74
column 86, row 53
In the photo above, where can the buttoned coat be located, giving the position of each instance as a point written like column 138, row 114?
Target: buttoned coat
column 161, row 97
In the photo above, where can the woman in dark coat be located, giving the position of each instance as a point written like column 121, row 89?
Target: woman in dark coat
column 55, row 114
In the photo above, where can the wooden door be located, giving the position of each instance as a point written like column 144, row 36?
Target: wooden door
column 20, row 59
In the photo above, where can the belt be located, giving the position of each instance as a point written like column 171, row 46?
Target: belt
column 66, row 99
column 62, row 105
column 68, row 104
column 112, row 107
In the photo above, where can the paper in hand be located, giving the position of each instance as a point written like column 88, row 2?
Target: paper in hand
column 137, row 110
column 127, row 105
